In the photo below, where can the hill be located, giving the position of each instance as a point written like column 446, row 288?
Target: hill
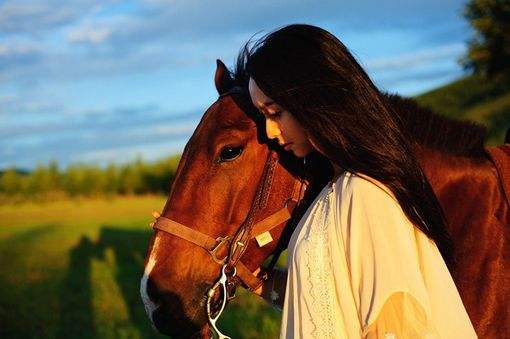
column 473, row 98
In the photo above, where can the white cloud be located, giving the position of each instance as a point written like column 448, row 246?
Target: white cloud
column 172, row 129
column 12, row 47
column 89, row 34
column 149, row 151
column 418, row 58
column 37, row 17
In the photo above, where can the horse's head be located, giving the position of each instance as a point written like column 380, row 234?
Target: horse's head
column 215, row 188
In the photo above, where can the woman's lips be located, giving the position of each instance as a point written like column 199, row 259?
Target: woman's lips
column 286, row 146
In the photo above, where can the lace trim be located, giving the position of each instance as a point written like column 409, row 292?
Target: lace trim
column 318, row 264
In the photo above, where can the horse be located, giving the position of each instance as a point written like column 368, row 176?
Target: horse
column 227, row 179
column 236, row 197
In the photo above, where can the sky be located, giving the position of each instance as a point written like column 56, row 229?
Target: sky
column 107, row 81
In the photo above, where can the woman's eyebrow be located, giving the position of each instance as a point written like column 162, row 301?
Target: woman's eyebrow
column 265, row 105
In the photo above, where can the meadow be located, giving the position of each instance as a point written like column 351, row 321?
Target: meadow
column 71, row 269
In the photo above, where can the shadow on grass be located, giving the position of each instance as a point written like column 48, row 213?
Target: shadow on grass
column 128, row 247
column 76, row 293
column 16, row 315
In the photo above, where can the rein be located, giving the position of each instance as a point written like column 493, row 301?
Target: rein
column 238, row 243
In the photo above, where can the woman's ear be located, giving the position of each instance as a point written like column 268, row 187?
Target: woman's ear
column 222, row 78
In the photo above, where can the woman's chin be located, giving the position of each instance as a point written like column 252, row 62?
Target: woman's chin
column 296, row 153
column 300, row 153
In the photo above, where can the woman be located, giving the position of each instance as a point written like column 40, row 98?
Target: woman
column 369, row 257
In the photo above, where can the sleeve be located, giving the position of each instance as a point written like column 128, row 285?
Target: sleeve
column 401, row 316
column 383, row 261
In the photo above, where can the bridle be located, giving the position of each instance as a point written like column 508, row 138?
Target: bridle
column 238, row 243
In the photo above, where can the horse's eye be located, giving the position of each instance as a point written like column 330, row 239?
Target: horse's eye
column 229, row 153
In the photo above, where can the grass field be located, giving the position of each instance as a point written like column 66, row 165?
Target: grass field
column 71, row 269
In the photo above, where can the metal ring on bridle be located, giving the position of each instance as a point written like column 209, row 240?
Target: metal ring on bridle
column 222, row 282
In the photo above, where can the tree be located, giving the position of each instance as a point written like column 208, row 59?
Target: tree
column 489, row 49
column 10, row 182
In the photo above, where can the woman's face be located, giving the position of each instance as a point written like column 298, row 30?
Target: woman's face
column 280, row 124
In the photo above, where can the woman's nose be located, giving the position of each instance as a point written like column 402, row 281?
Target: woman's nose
column 272, row 129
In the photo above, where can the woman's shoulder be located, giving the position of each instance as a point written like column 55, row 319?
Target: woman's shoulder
column 350, row 183
column 367, row 206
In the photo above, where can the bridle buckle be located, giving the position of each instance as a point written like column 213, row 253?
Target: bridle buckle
column 219, row 242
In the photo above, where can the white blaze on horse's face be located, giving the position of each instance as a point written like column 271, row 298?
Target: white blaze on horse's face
column 151, row 262
column 280, row 123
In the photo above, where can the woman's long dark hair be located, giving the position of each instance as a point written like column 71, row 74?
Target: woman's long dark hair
column 311, row 74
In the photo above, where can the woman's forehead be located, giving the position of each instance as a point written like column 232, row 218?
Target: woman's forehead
column 259, row 99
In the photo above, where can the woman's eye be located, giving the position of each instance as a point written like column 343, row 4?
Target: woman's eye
column 229, row 153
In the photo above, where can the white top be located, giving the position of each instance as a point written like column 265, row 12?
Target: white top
column 355, row 250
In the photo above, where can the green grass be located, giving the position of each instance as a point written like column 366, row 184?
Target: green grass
column 474, row 98
column 72, row 269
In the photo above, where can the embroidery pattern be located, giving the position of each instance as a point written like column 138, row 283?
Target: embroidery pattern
column 318, row 263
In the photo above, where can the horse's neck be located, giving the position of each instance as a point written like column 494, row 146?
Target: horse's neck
column 458, row 183
column 443, row 170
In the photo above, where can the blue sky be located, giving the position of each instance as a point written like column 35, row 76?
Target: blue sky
column 100, row 81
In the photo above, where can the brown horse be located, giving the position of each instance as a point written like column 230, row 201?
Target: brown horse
column 217, row 192
column 214, row 194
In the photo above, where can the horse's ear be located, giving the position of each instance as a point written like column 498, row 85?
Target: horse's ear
column 222, row 78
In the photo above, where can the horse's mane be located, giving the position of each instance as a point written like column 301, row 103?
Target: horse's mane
column 425, row 127
column 438, row 132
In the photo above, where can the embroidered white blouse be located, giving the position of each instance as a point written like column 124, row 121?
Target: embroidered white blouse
column 358, row 268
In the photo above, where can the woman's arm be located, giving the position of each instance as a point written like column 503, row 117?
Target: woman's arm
column 402, row 316
column 385, row 264
column 273, row 288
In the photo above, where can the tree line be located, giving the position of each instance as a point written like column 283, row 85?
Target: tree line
column 137, row 177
